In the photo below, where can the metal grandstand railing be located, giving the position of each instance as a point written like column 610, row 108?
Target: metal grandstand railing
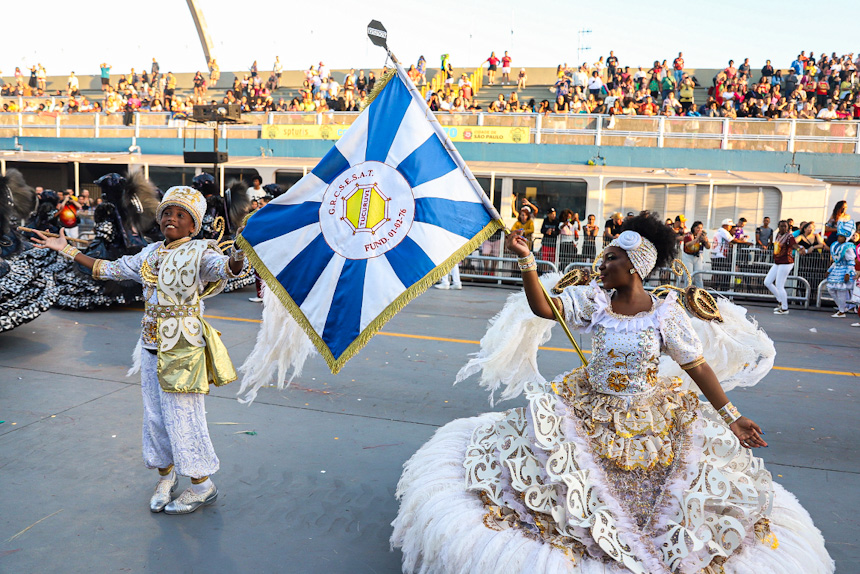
column 577, row 129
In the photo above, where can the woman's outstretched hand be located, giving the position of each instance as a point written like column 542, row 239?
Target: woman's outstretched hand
column 55, row 243
column 748, row 432
column 517, row 244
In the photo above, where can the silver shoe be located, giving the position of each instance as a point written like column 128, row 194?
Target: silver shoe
column 163, row 491
column 188, row 502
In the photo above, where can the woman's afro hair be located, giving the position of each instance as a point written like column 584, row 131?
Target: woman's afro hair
column 657, row 232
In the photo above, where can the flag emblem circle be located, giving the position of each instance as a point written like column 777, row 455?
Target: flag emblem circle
column 367, row 210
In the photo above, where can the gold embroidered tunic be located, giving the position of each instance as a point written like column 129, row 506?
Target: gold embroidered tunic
column 175, row 278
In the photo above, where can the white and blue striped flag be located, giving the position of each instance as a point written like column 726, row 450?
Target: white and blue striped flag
column 386, row 213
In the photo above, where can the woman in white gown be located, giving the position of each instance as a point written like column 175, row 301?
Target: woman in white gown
column 611, row 467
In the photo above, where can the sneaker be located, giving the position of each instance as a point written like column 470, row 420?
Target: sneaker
column 442, row 286
column 255, row 299
column 838, row 315
column 456, row 286
column 855, row 324
column 781, row 312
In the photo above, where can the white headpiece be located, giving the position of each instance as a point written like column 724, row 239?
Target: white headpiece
column 640, row 251
column 188, row 199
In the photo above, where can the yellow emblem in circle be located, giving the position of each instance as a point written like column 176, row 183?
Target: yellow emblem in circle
column 365, row 209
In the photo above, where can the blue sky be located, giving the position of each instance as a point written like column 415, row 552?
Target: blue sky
column 544, row 33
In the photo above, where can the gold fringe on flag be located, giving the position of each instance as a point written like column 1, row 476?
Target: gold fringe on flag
column 377, row 88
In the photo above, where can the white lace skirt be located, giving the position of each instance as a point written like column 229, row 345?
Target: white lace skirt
column 467, row 508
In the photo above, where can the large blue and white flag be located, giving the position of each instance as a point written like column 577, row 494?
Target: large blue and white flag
column 386, row 213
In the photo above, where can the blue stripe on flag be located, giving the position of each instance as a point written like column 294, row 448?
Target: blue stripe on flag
column 343, row 324
column 428, row 162
column 275, row 220
column 460, row 217
column 409, row 262
column 300, row 274
column 331, row 165
column 385, row 115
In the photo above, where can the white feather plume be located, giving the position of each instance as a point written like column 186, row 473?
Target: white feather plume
column 738, row 350
column 135, row 358
column 508, row 355
column 281, row 344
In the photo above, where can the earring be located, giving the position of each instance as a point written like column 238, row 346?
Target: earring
column 632, row 270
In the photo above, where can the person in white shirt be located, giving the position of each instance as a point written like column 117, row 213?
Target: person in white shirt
column 595, row 84
column 828, row 113
column 256, row 192
column 277, row 69
column 721, row 253
column 333, row 88
column 580, row 77
column 323, row 71
column 74, row 85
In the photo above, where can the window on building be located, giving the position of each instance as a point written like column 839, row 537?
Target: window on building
column 552, row 193
column 666, row 200
column 736, row 201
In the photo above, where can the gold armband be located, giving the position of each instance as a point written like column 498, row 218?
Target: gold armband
column 97, row 268
column 693, row 364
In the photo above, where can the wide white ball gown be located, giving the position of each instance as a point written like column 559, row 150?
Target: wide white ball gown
column 612, row 467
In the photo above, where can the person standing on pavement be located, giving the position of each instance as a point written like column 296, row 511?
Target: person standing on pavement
column 179, row 354
column 691, row 253
column 841, row 275
column 783, row 260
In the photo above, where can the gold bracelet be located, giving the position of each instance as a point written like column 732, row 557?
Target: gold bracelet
column 527, row 263
column 729, row 413
column 69, row 251
column 693, row 364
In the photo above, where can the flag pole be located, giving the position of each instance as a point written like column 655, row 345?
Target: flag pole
column 443, row 137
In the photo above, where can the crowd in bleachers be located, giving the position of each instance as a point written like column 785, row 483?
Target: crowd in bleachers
column 824, row 87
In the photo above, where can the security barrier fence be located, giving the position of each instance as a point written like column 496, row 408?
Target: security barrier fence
column 740, row 277
column 566, row 129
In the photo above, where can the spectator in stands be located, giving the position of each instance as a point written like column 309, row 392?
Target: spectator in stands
column 199, row 83
column 686, row 92
column 595, row 84
column 764, row 234
column 105, row 76
column 493, row 63
column 422, row 70
column 784, row 245
column 214, row 72
column 828, row 113
column 506, row 69
column 678, row 68
column 73, row 85
column 41, row 78
column 522, row 78
column 693, row 242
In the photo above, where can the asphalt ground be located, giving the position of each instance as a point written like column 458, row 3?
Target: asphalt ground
column 313, row 490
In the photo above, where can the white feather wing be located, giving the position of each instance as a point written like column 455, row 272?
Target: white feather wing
column 508, row 355
column 738, row 350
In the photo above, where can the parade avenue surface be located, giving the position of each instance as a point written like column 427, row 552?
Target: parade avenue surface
column 308, row 474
